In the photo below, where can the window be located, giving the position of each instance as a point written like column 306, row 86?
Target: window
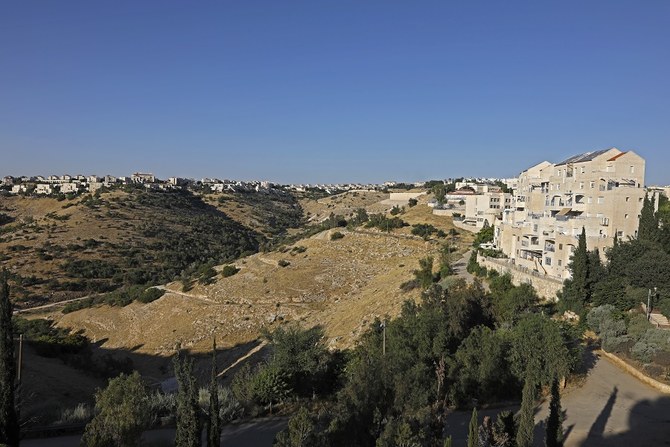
column 627, row 199
column 590, row 200
column 581, row 185
column 582, row 169
column 547, row 261
column 560, row 263
column 560, row 246
column 632, row 169
column 592, row 184
column 625, row 216
column 601, row 200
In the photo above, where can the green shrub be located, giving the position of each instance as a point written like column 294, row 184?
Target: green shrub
column 283, row 263
column 149, row 295
column 336, row 235
column 229, row 270
column 77, row 415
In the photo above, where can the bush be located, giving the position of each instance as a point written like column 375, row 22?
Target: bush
column 598, row 315
column 229, row 270
column 229, row 407
column 283, row 263
column 151, row 294
column 651, row 343
column 336, row 235
column 77, row 415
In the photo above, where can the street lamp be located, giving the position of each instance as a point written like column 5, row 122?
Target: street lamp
column 649, row 302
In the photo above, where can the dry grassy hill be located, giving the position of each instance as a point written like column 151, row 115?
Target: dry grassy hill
column 63, row 249
column 344, row 204
column 341, row 284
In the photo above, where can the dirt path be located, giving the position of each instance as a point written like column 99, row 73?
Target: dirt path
column 48, row 306
column 187, row 295
column 251, row 352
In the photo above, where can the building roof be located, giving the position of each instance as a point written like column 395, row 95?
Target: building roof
column 587, row 156
column 617, row 156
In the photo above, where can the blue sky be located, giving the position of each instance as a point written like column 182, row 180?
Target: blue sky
column 330, row 91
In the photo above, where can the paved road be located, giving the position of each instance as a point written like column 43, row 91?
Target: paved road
column 611, row 408
column 614, row 409
column 257, row 433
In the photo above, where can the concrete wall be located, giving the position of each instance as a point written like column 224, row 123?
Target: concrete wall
column 546, row 287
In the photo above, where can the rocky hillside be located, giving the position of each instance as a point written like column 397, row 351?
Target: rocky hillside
column 62, row 249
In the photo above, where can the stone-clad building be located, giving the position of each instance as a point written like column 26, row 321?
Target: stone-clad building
column 601, row 191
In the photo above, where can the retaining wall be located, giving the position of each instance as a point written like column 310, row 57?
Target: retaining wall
column 545, row 286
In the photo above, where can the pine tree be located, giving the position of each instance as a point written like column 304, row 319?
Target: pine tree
column 554, row 436
column 189, row 430
column 214, row 426
column 9, row 425
column 473, row 430
column 648, row 227
column 524, row 435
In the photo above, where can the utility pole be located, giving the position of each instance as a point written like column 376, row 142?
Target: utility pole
column 383, row 325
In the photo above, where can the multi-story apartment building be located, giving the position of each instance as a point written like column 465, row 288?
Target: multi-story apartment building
column 600, row 191
column 484, row 209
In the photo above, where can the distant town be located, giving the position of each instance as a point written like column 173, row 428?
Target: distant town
column 79, row 184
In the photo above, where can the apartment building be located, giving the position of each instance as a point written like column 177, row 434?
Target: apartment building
column 484, row 209
column 600, row 191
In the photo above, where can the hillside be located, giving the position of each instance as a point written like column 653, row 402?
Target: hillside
column 341, row 284
column 63, row 249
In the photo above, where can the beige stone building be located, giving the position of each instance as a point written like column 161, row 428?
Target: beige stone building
column 600, row 191
column 484, row 209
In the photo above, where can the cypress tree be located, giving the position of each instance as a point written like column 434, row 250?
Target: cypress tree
column 214, row 426
column 9, row 424
column 189, row 430
column 577, row 290
column 648, row 227
column 473, row 430
column 554, row 436
column 524, row 434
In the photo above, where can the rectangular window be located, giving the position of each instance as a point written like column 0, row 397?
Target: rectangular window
column 627, row 199
column 547, row 261
column 632, row 169
column 560, row 262
column 590, row 200
column 592, row 185
column 560, row 246
column 582, row 169
column 601, row 200
column 581, row 185
column 625, row 216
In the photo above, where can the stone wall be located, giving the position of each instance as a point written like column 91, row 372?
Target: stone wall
column 546, row 286
column 405, row 196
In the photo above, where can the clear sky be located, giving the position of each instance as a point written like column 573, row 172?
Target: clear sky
column 330, row 91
